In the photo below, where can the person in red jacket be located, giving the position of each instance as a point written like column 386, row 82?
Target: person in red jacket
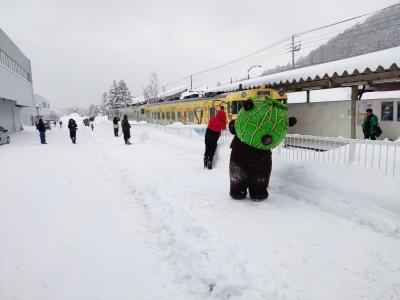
column 214, row 128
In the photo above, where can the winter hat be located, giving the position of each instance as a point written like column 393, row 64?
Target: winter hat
column 262, row 123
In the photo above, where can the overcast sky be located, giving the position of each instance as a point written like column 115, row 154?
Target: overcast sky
column 77, row 47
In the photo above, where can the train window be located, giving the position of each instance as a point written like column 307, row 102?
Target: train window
column 158, row 116
column 163, row 115
column 184, row 117
column 262, row 94
column 173, row 116
column 179, row 116
column 240, row 105
column 168, row 115
column 191, row 117
column 236, row 106
column 212, row 112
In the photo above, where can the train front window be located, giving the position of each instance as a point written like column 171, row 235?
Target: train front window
column 262, row 94
column 173, row 116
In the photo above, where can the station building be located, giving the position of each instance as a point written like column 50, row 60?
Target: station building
column 16, row 90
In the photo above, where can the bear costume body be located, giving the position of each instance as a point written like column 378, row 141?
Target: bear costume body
column 261, row 125
column 249, row 168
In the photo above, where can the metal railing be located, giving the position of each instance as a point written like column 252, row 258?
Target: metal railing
column 378, row 155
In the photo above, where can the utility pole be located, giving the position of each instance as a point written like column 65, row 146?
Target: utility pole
column 191, row 82
column 295, row 46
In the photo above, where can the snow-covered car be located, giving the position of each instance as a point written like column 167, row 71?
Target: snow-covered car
column 4, row 137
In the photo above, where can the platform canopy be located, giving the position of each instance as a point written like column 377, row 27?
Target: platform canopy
column 381, row 67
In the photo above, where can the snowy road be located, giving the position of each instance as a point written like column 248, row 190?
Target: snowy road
column 101, row 220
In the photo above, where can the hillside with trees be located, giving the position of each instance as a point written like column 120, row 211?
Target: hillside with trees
column 378, row 32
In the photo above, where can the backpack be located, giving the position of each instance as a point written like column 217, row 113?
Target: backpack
column 378, row 131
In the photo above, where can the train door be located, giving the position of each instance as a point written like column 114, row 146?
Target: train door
column 198, row 113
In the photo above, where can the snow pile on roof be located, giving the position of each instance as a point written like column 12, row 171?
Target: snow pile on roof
column 173, row 91
column 372, row 61
column 381, row 95
column 138, row 99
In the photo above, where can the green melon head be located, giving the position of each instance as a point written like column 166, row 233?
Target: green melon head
column 262, row 123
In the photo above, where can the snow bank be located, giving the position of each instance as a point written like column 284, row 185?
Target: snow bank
column 78, row 119
column 176, row 124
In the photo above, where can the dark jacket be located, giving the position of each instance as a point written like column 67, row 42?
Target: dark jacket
column 370, row 124
column 115, row 120
column 126, row 128
column 40, row 126
column 72, row 125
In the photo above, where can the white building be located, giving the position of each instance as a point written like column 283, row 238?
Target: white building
column 16, row 89
column 40, row 108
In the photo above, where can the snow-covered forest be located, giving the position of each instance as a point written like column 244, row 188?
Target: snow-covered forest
column 379, row 31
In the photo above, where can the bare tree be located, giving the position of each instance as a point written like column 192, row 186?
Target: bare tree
column 150, row 91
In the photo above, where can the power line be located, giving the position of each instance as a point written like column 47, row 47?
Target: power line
column 253, row 55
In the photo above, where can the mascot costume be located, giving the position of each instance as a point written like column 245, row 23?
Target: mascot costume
column 261, row 125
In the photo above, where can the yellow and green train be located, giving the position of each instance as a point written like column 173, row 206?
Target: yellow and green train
column 196, row 110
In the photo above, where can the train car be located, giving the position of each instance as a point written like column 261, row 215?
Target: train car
column 196, row 110
column 200, row 110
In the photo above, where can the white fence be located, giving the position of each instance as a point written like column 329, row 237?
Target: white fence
column 378, row 155
column 383, row 156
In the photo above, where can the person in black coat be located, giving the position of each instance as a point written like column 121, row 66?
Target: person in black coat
column 126, row 130
column 72, row 130
column 42, row 131
column 116, row 126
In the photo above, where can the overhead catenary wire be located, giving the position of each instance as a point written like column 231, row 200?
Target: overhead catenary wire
column 271, row 51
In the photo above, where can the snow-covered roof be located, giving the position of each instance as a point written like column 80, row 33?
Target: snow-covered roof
column 371, row 61
column 138, row 99
column 173, row 91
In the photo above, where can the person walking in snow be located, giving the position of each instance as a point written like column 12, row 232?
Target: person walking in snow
column 60, row 122
column 370, row 125
column 72, row 130
column 213, row 132
column 116, row 126
column 42, row 131
column 126, row 130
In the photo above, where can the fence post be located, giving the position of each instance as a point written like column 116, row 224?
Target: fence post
column 352, row 152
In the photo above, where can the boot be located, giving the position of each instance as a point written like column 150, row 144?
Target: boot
column 209, row 163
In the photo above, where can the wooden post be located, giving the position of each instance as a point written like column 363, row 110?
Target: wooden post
column 353, row 109
column 308, row 96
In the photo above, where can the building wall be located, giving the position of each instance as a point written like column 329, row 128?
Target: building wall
column 10, row 116
column 333, row 119
column 321, row 119
column 16, row 89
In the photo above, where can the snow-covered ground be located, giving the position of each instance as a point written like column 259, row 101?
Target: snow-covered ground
column 102, row 220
